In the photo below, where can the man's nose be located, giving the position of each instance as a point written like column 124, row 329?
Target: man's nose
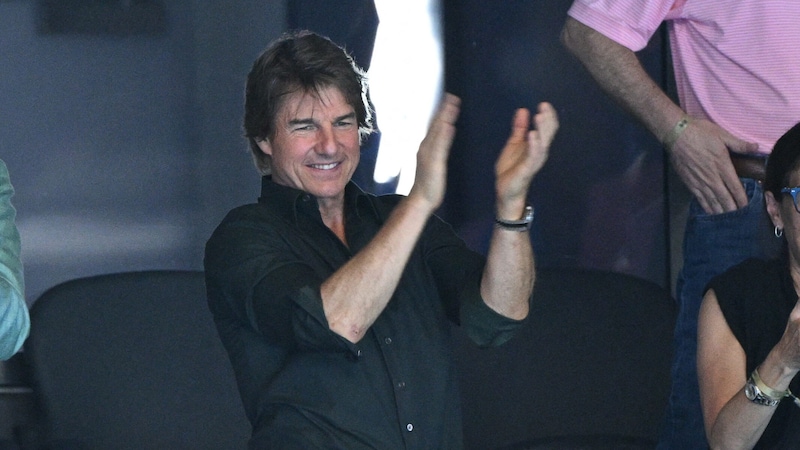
column 327, row 140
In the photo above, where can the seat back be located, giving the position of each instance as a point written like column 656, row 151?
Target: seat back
column 133, row 361
column 591, row 364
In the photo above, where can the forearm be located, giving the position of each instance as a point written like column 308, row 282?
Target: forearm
column 741, row 422
column 356, row 294
column 618, row 71
column 508, row 277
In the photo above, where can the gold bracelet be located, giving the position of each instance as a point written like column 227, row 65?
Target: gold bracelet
column 772, row 394
column 672, row 137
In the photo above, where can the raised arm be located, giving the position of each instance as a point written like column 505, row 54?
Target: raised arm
column 509, row 274
column 731, row 420
column 355, row 295
column 700, row 153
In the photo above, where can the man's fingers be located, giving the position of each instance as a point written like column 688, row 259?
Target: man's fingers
column 720, row 195
column 442, row 128
column 546, row 122
column 449, row 109
column 519, row 126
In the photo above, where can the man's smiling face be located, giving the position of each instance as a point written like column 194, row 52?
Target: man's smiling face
column 316, row 146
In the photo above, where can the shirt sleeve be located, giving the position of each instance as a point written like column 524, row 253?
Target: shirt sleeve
column 14, row 318
column 630, row 23
column 253, row 278
column 458, row 272
column 288, row 308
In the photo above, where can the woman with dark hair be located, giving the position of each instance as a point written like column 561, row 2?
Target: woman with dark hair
column 749, row 328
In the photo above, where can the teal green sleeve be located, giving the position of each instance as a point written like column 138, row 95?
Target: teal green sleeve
column 14, row 319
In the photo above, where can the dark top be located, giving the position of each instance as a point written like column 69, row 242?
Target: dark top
column 303, row 386
column 756, row 298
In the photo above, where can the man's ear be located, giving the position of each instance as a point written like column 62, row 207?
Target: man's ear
column 265, row 146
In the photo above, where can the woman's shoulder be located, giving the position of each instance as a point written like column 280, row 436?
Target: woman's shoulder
column 748, row 271
column 751, row 277
column 747, row 285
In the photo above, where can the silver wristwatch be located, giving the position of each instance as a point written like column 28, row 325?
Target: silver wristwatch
column 754, row 394
column 523, row 224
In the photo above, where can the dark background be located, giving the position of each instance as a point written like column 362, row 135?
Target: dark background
column 600, row 200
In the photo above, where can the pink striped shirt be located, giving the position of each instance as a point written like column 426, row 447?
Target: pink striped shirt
column 737, row 63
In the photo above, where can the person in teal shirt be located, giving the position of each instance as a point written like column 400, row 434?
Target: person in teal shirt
column 14, row 319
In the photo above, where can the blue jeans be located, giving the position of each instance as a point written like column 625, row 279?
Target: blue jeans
column 712, row 244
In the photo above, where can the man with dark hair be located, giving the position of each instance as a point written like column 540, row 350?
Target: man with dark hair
column 334, row 305
column 304, row 64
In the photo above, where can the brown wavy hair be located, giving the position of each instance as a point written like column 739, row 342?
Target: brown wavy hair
column 305, row 62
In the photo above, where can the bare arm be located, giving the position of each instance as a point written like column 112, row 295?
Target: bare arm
column 355, row 295
column 731, row 420
column 700, row 155
column 509, row 274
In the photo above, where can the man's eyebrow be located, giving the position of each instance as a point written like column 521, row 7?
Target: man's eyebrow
column 347, row 116
column 311, row 121
column 308, row 121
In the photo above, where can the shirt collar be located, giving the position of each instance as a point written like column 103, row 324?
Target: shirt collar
column 290, row 202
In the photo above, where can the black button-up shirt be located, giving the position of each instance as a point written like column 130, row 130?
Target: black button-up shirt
column 304, row 386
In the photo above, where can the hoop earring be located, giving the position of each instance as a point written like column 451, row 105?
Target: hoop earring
column 778, row 232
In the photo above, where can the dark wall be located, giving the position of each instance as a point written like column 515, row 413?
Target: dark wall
column 125, row 149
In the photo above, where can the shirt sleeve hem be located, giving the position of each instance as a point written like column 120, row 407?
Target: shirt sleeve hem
column 485, row 326
column 611, row 27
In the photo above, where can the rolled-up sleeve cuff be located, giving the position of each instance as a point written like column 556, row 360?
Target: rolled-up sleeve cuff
column 314, row 329
column 485, row 326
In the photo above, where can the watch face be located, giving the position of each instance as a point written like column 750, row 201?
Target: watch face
column 750, row 390
column 528, row 214
column 754, row 394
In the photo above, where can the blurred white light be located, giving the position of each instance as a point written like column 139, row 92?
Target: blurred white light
column 405, row 79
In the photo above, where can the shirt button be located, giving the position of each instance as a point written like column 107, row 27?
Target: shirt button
column 306, row 197
column 401, row 385
column 388, row 340
column 353, row 356
column 410, row 427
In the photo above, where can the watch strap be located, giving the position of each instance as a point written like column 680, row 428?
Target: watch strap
column 523, row 224
column 758, row 392
column 754, row 394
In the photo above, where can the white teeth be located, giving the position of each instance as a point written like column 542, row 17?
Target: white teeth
column 324, row 166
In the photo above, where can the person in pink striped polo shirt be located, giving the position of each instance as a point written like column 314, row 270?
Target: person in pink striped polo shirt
column 737, row 73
